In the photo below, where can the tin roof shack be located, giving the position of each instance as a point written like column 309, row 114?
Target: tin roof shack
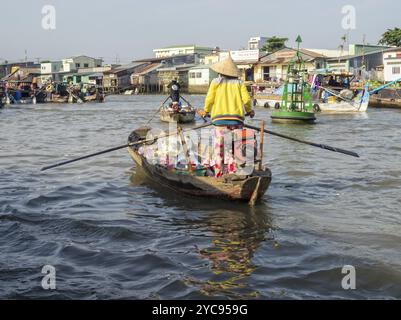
column 199, row 78
column 6, row 67
column 180, row 72
column 368, row 66
column 392, row 64
column 173, row 60
column 22, row 73
column 118, row 79
column 145, row 79
column 22, row 77
column 272, row 68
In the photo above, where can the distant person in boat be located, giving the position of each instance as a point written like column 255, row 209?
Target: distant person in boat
column 174, row 88
column 227, row 101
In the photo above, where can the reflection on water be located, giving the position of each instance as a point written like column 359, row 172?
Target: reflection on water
column 235, row 233
column 234, row 239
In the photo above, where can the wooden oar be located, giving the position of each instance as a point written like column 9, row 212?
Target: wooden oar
column 254, row 195
column 319, row 145
column 157, row 111
column 79, row 100
column 185, row 100
column 121, row 147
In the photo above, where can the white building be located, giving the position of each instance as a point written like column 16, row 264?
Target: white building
column 50, row 71
column 392, row 64
column 48, row 67
column 82, row 61
column 182, row 50
column 199, row 78
column 256, row 43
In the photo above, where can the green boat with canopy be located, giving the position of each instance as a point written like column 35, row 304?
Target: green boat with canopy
column 296, row 105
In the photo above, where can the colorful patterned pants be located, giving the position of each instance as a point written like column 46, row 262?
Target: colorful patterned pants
column 224, row 161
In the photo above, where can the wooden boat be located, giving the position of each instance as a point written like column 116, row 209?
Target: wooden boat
column 22, row 101
column 386, row 98
column 55, row 98
column 185, row 115
column 339, row 103
column 96, row 97
column 340, row 107
column 229, row 187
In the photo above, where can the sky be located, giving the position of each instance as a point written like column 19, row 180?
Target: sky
column 123, row 30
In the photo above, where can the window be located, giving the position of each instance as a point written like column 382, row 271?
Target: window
column 77, row 65
column 253, row 45
column 192, row 75
column 396, row 70
column 199, row 74
column 86, row 65
column 266, row 73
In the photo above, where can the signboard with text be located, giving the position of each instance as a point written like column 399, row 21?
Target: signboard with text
column 242, row 55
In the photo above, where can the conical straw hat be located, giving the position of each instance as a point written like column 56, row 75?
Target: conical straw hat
column 226, row 67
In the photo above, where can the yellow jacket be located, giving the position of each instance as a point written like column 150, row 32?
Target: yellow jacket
column 226, row 100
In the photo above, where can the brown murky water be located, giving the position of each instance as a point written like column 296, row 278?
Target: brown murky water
column 110, row 233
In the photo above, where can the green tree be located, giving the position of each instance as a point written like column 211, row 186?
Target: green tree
column 392, row 37
column 274, row 44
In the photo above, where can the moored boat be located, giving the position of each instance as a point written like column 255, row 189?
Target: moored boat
column 342, row 102
column 195, row 183
column 386, row 98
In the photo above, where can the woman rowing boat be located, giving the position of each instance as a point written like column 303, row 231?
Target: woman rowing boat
column 226, row 100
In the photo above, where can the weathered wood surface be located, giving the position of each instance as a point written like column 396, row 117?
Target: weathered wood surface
column 177, row 116
column 232, row 187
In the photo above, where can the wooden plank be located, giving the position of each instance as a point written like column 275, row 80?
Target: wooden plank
column 262, row 136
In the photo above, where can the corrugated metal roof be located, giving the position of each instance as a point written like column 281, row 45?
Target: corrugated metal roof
column 125, row 67
column 358, row 55
column 275, row 58
column 149, row 68
column 164, row 58
column 178, row 67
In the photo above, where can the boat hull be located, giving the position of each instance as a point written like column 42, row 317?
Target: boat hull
column 386, row 98
column 295, row 117
column 228, row 187
column 180, row 117
column 338, row 108
column 384, row 103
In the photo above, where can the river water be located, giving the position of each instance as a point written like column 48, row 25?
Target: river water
column 110, row 233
